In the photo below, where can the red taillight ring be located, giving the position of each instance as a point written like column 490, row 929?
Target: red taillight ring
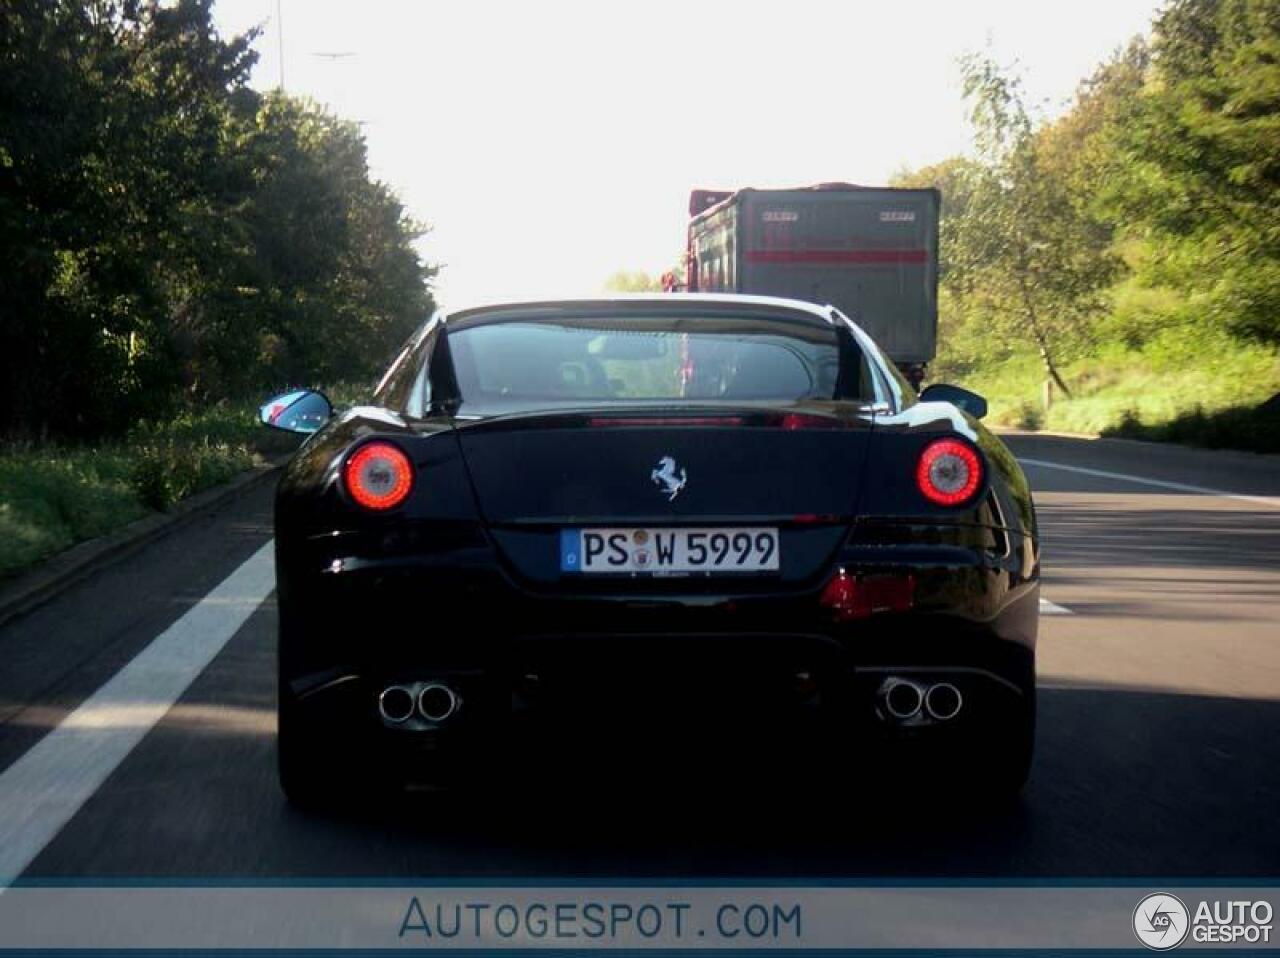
column 949, row 472
column 378, row 476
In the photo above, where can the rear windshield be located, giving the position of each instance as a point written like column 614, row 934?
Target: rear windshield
column 643, row 360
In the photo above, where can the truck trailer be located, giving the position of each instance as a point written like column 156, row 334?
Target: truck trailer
column 872, row 252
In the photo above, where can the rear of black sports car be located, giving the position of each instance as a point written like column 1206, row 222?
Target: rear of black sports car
column 714, row 522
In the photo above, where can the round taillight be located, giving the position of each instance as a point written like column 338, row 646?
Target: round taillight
column 378, row 476
column 949, row 472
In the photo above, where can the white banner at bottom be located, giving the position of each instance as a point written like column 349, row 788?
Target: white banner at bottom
column 652, row 917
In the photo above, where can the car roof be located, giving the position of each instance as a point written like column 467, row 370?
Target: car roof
column 775, row 306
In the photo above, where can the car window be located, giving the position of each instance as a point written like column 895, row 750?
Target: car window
column 883, row 381
column 644, row 359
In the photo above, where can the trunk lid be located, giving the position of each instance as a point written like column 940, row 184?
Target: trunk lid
column 799, row 471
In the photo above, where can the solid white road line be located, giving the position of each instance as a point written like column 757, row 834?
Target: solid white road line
column 1052, row 608
column 42, row 790
column 1272, row 501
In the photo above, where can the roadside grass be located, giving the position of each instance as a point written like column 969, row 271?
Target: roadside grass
column 1256, row 428
column 1213, row 396
column 53, row 496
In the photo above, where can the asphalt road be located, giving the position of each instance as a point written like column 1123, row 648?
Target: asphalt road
column 1158, row 754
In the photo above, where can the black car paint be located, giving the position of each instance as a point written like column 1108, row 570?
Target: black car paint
column 461, row 581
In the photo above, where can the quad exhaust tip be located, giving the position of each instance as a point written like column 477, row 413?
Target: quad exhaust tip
column 395, row 705
column 943, row 701
column 903, row 699
column 437, row 702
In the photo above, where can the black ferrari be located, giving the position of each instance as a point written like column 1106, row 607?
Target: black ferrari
column 687, row 518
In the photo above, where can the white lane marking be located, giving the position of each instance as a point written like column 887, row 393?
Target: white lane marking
column 42, row 790
column 1272, row 501
column 1052, row 608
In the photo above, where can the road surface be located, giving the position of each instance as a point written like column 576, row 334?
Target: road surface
column 1158, row 754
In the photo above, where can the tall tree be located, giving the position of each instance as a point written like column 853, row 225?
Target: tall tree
column 1202, row 159
column 168, row 234
column 1022, row 249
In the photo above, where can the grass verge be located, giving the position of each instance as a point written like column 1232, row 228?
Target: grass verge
column 1217, row 396
column 53, row 496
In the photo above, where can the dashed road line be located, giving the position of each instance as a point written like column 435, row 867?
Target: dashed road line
column 42, row 790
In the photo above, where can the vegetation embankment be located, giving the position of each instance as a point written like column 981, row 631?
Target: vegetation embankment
column 55, row 495
column 1222, row 398
column 175, row 246
column 1127, row 252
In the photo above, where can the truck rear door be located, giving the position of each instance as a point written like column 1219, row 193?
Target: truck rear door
column 870, row 252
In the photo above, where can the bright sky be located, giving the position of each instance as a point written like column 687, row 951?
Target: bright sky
column 549, row 144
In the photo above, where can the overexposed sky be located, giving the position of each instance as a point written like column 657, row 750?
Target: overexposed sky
column 549, row 144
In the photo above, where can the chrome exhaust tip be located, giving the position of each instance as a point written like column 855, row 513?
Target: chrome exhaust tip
column 437, row 702
column 902, row 698
column 943, row 701
column 395, row 705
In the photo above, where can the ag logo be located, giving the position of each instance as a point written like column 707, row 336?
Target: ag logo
column 1161, row 921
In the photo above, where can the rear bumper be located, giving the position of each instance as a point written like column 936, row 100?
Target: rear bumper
column 707, row 662
column 726, row 725
column 799, row 680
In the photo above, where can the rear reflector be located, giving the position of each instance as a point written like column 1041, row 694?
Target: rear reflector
column 858, row 597
column 378, row 476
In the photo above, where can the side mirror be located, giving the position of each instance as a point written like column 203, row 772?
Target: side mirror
column 963, row 399
column 302, row 410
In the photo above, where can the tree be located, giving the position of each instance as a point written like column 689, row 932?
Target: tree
column 170, row 235
column 1022, row 250
column 110, row 120
column 333, row 279
column 1202, row 160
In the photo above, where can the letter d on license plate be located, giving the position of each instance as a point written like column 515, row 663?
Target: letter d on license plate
column 720, row 550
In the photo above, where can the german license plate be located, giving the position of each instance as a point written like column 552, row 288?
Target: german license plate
column 729, row 549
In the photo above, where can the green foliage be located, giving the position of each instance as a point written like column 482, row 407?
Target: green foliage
column 168, row 234
column 633, row 281
column 167, row 472
column 48, row 502
column 50, row 499
column 1138, row 392
column 54, row 495
column 346, row 394
column 1198, row 162
column 1029, row 416
column 1026, row 260
column 1255, row 428
column 1133, row 244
